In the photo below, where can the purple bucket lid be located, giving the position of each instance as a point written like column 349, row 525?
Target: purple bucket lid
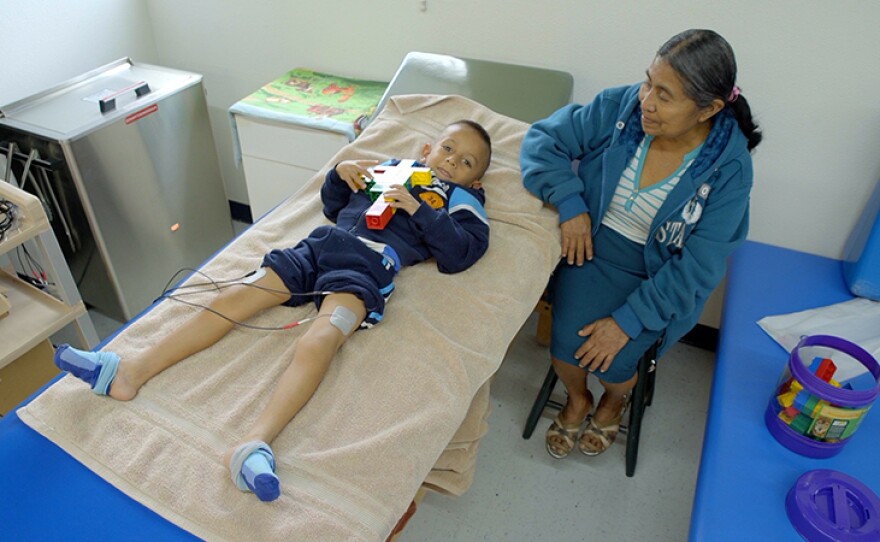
column 839, row 396
column 830, row 505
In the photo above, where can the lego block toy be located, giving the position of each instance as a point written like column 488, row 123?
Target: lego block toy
column 810, row 407
column 801, row 423
column 379, row 214
column 801, row 399
column 406, row 173
column 786, row 399
column 823, row 368
column 787, row 416
column 421, row 176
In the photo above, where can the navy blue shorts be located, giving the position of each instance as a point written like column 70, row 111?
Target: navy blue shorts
column 584, row 294
column 331, row 259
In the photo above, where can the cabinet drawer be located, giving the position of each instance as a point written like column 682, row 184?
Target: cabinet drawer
column 287, row 143
column 269, row 183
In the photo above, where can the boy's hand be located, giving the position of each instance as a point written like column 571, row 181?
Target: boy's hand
column 402, row 199
column 354, row 171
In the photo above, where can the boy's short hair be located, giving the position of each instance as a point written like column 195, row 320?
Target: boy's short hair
column 484, row 135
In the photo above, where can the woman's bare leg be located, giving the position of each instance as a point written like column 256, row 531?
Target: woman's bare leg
column 603, row 429
column 580, row 401
column 578, row 405
column 614, row 397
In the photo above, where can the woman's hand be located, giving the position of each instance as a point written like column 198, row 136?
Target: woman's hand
column 354, row 171
column 402, row 199
column 606, row 340
column 577, row 241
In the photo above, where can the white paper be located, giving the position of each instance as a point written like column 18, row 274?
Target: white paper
column 857, row 321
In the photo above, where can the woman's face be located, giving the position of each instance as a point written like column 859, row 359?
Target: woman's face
column 667, row 111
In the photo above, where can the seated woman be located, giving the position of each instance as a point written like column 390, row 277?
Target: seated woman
column 659, row 199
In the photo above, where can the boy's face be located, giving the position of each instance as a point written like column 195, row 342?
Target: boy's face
column 460, row 156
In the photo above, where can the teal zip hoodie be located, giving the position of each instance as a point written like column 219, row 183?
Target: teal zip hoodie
column 702, row 221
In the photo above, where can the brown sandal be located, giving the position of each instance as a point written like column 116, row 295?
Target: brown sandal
column 604, row 434
column 567, row 433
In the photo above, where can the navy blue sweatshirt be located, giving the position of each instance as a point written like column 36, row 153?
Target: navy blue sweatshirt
column 450, row 224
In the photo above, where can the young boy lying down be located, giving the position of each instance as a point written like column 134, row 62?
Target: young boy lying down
column 346, row 269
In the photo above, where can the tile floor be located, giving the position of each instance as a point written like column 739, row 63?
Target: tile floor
column 521, row 494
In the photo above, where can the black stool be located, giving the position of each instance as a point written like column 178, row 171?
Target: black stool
column 643, row 394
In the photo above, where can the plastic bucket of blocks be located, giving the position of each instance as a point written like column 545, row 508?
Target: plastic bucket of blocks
column 824, row 393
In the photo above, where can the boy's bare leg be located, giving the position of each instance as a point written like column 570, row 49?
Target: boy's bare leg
column 311, row 358
column 238, row 302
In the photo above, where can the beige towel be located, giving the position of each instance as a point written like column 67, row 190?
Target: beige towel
column 352, row 460
column 475, row 422
column 453, row 472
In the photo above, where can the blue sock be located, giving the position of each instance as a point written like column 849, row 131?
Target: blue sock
column 253, row 469
column 98, row 369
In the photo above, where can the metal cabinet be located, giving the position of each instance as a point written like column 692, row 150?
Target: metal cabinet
column 137, row 180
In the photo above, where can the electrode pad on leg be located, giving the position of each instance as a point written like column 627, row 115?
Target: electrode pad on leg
column 343, row 319
column 255, row 276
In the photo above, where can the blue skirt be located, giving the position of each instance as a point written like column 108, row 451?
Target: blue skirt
column 582, row 295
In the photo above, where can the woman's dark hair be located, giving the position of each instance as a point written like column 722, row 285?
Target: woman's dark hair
column 707, row 67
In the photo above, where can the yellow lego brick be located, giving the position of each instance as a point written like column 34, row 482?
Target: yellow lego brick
column 420, row 176
column 783, row 415
column 787, row 399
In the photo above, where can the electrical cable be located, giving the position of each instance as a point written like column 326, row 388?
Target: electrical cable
column 218, row 285
column 85, row 267
column 33, row 271
column 8, row 215
column 242, row 324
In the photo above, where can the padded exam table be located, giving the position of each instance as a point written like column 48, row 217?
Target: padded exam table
column 47, row 495
column 744, row 473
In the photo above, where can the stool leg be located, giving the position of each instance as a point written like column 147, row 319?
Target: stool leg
column 637, row 410
column 652, row 376
column 540, row 402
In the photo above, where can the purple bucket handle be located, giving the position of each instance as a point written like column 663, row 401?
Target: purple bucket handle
column 838, row 396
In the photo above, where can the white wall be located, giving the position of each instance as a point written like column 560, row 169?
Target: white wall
column 808, row 67
column 45, row 43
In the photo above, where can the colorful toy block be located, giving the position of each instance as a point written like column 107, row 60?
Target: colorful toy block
column 379, row 214
column 801, row 423
column 787, row 416
column 786, row 399
column 421, row 176
column 823, row 368
column 801, row 399
column 791, row 412
column 810, row 408
column 406, row 173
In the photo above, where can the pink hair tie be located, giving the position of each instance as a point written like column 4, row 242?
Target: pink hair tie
column 734, row 94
